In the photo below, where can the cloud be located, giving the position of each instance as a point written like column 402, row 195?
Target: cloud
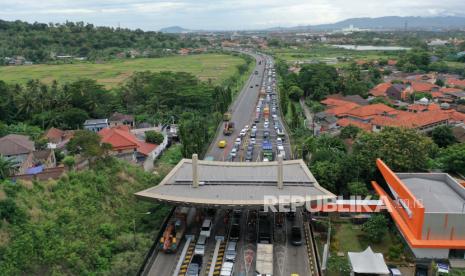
column 218, row 14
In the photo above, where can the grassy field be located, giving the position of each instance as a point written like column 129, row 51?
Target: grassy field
column 216, row 67
column 325, row 53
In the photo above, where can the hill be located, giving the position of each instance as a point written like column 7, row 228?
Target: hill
column 174, row 30
column 388, row 23
column 85, row 223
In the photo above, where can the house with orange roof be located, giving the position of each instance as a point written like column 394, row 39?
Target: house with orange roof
column 365, row 113
column 453, row 82
column 344, row 122
column 423, row 87
column 57, row 138
column 125, row 144
column 341, row 111
column 380, row 90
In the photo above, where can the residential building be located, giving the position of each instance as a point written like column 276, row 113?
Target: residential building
column 459, row 133
column 119, row 119
column 380, row 90
column 17, row 148
column 457, row 83
column 57, row 138
column 125, row 144
column 429, row 211
column 95, row 125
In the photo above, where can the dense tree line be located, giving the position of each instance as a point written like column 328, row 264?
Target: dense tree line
column 38, row 42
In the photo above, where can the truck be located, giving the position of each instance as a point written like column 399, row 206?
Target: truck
column 264, row 263
column 227, row 116
column 266, row 112
column 174, row 231
column 267, row 149
column 228, row 128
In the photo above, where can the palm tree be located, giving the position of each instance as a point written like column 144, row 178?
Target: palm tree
column 6, row 167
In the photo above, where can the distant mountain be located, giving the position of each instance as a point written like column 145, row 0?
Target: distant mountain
column 174, row 30
column 388, row 23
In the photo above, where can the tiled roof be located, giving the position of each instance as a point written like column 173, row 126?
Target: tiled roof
column 411, row 120
column 455, row 82
column 380, row 89
column 121, row 138
column 422, row 86
column 332, row 102
column 14, row 144
column 371, row 110
column 346, row 122
column 342, row 110
column 450, row 90
column 54, row 133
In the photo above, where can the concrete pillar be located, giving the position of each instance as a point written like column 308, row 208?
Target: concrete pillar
column 195, row 171
column 280, row 172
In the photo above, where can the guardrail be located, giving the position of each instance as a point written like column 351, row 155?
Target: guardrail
column 153, row 251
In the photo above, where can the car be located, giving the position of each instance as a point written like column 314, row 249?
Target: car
column 394, row 271
column 251, row 86
column 253, row 134
column 253, row 140
column 235, row 232
column 279, row 140
column 266, row 125
column 233, row 152
column 238, row 141
column 243, row 132
column 227, row 268
column 266, row 159
column 249, row 156
column 194, row 267
column 200, row 245
column 206, row 228
column 256, row 85
column 246, row 127
column 266, row 134
column 193, row 270
column 230, row 252
column 222, row 144
column 250, row 147
column 296, row 236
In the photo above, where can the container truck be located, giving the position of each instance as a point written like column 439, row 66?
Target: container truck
column 174, row 231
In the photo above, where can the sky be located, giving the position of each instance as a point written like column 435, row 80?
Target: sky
column 218, row 14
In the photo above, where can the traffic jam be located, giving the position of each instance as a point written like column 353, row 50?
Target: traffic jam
column 264, row 138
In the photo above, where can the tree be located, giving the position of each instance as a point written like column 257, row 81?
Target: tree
column 87, row 144
column 357, row 188
column 349, row 132
column 153, row 137
column 403, row 150
column 69, row 162
column 440, row 82
column 443, row 136
column 452, row 159
column 6, row 167
column 295, row 93
column 339, row 264
column 375, row 228
column 327, row 173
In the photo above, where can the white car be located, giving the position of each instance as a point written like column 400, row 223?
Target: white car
column 206, row 228
column 233, row 152
column 252, row 141
column 246, row 127
column 266, row 160
column 200, row 246
column 243, row 132
column 266, row 125
column 238, row 141
column 279, row 141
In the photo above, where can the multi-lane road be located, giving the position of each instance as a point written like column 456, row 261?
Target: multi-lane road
column 288, row 259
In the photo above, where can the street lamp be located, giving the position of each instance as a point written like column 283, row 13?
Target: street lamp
column 134, row 227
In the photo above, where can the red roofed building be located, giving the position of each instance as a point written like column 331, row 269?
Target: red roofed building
column 365, row 113
column 425, row 87
column 331, row 102
column 341, row 111
column 380, row 90
column 125, row 145
column 344, row 122
column 455, row 83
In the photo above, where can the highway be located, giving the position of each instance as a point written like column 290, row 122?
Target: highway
column 288, row 259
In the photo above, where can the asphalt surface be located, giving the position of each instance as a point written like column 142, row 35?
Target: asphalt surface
column 288, row 258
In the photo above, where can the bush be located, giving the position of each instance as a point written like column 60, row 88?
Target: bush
column 375, row 228
column 153, row 137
